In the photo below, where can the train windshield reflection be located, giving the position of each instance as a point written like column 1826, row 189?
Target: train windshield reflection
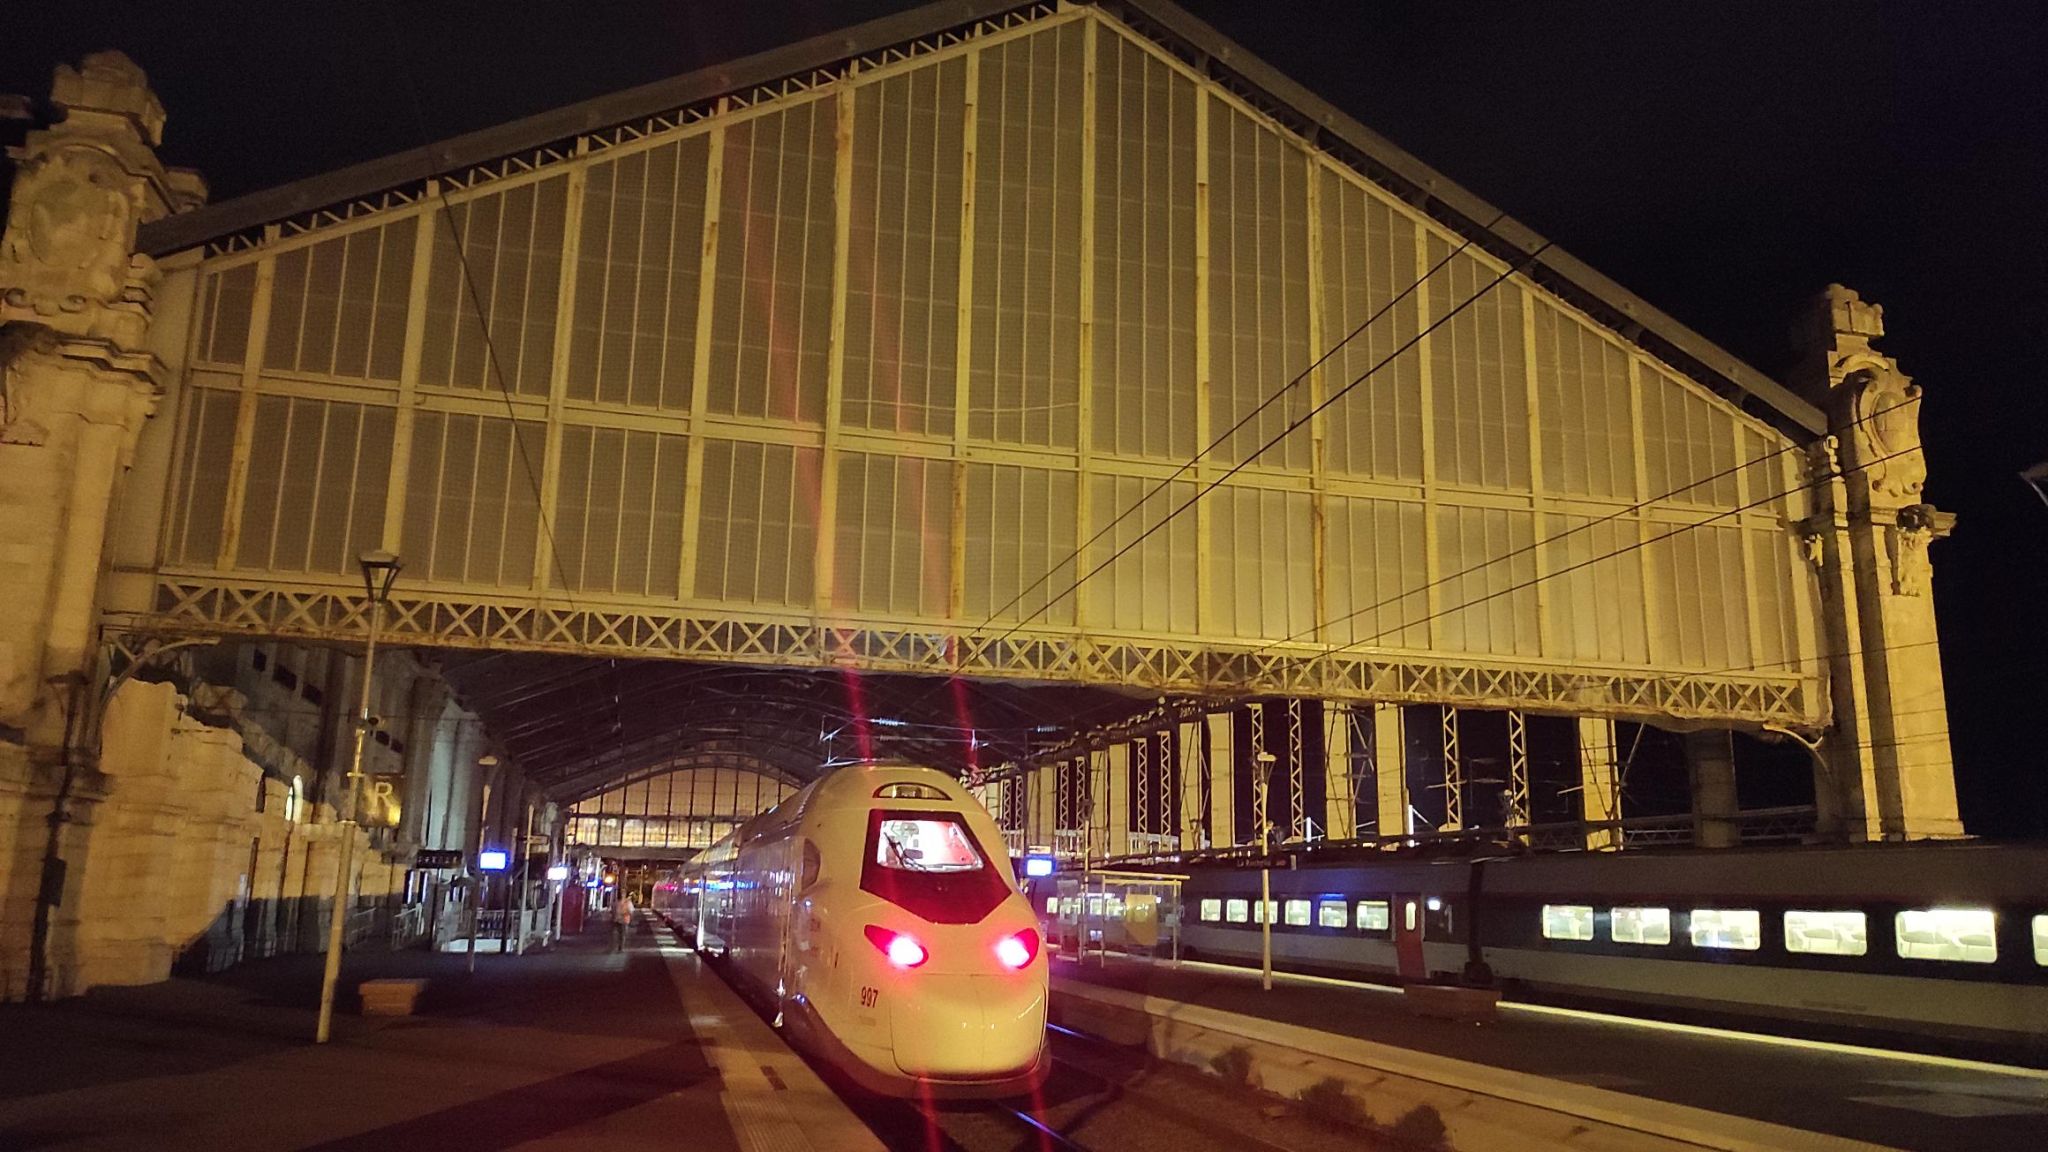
column 926, row 846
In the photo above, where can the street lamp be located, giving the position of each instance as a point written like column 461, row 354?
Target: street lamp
column 1265, row 761
column 380, row 571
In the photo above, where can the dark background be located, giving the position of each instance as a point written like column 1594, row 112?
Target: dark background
column 1724, row 161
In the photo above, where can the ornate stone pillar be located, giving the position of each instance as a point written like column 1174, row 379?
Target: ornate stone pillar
column 1885, row 767
column 76, row 377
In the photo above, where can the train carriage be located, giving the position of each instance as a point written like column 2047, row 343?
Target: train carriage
column 876, row 914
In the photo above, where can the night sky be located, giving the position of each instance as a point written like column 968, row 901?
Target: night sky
column 1724, row 161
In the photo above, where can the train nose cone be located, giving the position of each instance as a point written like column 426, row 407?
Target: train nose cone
column 969, row 1026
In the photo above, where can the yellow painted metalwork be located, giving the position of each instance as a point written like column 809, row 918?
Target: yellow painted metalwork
column 1466, row 526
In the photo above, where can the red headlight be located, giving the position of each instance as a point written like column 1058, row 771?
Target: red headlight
column 1019, row 950
column 901, row 948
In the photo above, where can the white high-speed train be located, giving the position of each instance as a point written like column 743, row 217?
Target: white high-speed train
column 875, row 911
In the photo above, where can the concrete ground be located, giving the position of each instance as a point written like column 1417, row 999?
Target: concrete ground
column 1896, row 1100
column 570, row 1048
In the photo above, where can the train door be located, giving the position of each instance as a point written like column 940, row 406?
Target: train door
column 1408, row 937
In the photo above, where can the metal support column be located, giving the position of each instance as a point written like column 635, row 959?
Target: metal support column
column 1297, row 774
column 1222, row 779
column 1340, row 814
column 1518, row 769
column 1116, row 822
column 1192, row 771
column 1390, row 771
column 1599, row 792
column 1454, row 775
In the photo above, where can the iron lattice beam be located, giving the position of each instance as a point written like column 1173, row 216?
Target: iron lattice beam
column 214, row 605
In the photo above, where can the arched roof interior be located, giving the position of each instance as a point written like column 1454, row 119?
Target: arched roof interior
column 577, row 725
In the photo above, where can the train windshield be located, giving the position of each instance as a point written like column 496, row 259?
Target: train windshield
column 925, row 845
column 928, row 863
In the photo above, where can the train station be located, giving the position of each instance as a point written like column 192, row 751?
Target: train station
column 990, row 578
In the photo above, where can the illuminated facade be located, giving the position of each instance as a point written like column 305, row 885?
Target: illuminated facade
column 989, row 343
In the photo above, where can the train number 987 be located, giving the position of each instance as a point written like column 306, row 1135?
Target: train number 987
column 868, row 996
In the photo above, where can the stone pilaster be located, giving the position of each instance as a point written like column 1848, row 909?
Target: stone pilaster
column 1710, row 767
column 77, row 380
column 1886, row 768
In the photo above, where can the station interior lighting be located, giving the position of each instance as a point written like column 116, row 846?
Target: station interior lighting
column 1038, row 865
column 493, row 860
column 558, row 872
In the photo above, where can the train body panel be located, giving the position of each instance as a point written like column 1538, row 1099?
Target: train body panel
column 876, row 912
column 1938, row 941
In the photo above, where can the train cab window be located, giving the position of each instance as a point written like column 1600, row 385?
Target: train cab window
column 1826, row 933
column 1373, row 916
column 1966, row 934
column 1567, row 921
column 1212, row 909
column 1740, row 929
column 1335, row 914
column 1297, row 913
column 2041, row 940
column 929, row 864
column 1639, row 925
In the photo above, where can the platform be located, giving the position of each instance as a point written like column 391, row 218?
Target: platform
column 563, row 1050
column 1894, row 1100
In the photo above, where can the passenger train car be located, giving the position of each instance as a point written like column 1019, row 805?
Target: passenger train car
column 1945, row 941
column 876, row 913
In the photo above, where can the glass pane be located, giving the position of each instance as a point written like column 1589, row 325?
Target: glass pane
column 926, row 846
column 1965, row 934
column 1333, row 914
column 2041, row 940
column 1372, row 915
column 1567, row 921
column 1212, row 909
column 1236, row 911
column 1826, row 933
column 1297, row 913
column 1639, row 926
column 1737, row 928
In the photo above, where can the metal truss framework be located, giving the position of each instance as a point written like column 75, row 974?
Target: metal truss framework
column 218, row 604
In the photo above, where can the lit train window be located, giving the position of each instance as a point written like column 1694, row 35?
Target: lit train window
column 1333, row 914
column 1567, row 921
column 1270, row 913
column 1373, row 917
column 1236, row 911
column 1965, row 934
column 1741, row 929
column 926, row 846
column 1639, row 925
column 1297, row 913
column 1052, row 905
column 2041, row 940
column 1212, row 909
column 1826, row 933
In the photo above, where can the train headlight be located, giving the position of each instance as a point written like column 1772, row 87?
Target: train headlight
column 1019, row 950
column 901, row 948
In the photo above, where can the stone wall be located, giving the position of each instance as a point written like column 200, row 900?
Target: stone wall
column 174, row 862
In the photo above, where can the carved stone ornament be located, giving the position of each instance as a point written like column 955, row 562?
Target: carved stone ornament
column 16, row 425
column 1887, row 430
column 72, row 219
column 1918, row 525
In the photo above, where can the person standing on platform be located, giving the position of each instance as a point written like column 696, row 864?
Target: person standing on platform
column 622, row 915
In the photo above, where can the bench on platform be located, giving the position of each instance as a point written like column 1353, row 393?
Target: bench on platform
column 390, row 997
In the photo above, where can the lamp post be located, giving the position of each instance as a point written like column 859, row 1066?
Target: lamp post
column 380, row 571
column 1265, row 761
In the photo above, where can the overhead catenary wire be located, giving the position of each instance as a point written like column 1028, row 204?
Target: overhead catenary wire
column 1611, row 517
